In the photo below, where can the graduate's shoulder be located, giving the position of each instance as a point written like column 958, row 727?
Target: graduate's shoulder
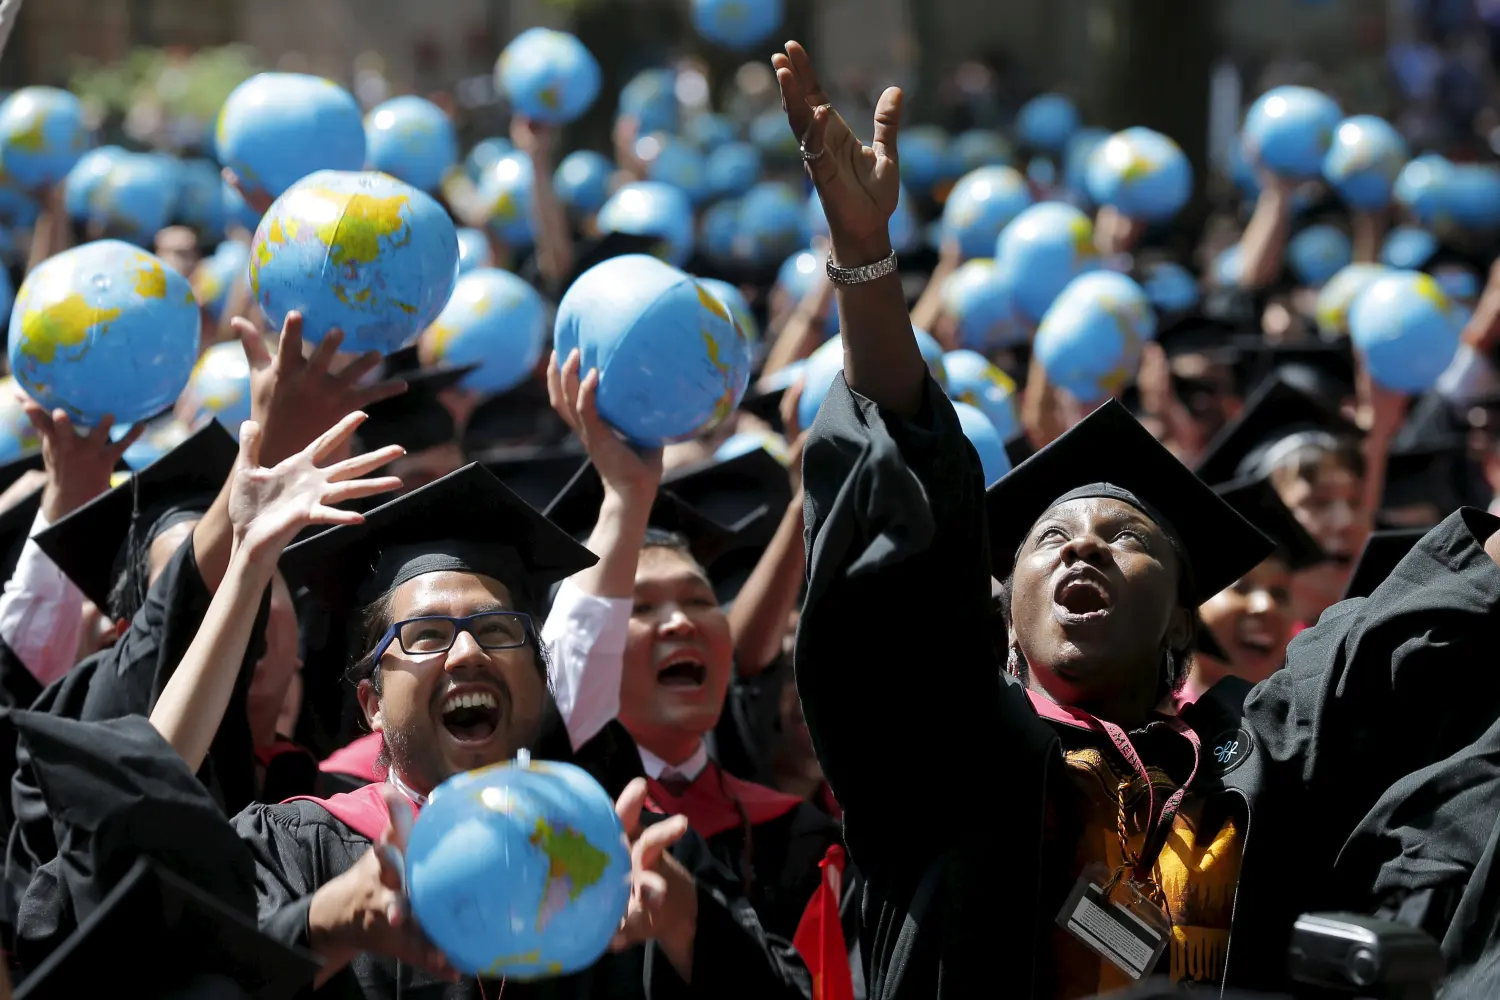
column 301, row 817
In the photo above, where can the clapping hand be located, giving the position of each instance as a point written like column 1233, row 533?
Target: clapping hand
column 78, row 464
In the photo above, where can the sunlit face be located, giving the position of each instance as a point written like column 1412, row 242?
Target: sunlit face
column 469, row 707
column 1330, row 505
column 679, row 653
column 275, row 670
column 1253, row 620
column 426, row 466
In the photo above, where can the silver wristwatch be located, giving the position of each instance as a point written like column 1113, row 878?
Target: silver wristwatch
column 860, row 275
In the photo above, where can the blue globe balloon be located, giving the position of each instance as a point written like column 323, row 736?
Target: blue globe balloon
column 771, row 134
column 548, row 75
column 981, row 147
column 136, row 198
column 1364, row 161
column 732, row 169
column 582, row 180
column 1458, row 282
column 981, row 302
column 519, row 871
column 484, row 155
column 721, row 227
column 1335, row 297
column 411, row 139
column 1423, row 188
column 359, row 252
column 1317, row 253
column 1044, row 248
column 796, row 277
column 220, row 383
column 1408, row 248
column 276, row 128
column 42, row 135
column 981, row 204
column 709, row 131
column 473, row 250
column 1289, row 130
column 1046, row 122
column 924, row 158
column 672, row 161
column 87, row 174
column 1089, row 343
column 673, row 362
column 495, row 320
column 1142, row 173
column 771, row 216
column 828, row 360
column 104, row 328
column 986, row 439
column 1076, row 157
column 1407, row 330
column 651, row 208
column 972, row 379
column 736, row 24
column 651, row 99
column 505, row 192
column 1474, row 196
column 18, row 438
column 200, row 198
column 734, row 300
column 1228, row 266
column 1170, row 287
column 216, row 275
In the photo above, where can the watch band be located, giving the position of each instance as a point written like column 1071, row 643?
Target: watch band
column 860, row 275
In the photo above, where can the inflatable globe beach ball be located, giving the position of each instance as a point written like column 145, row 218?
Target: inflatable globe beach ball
column 736, row 24
column 276, row 128
column 473, row 250
column 505, row 192
column 221, row 385
column 17, row 437
column 673, row 361
column 495, row 320
column 1407, row 329
column 1044, row 248
column 924, row 157
column 548, row 75
column 1317, row 253
column 972, row 379
column 720, row 229
column 359, row 252
column 672, row 161
column 1408, row 248
column 1339, row 294
column 651, row 208
column 104, row 329
column 1473, row 197
column 1089, row 343
column 986, row 439
column 87, row 174
column 484, row 154
column 708, row 131
column 980, row 301
column 651, row 99
column 1170, row 287
column 1142, row 173
column 1076, row 156
column 136, row 198
column 42, row 135
column 216, row 275
column 732, row 169
column 734, row 300
column 771, row 219
column 519, row 870
column 981, row 204
column 582, row 180
column 981, row 147
column 1423, row 186
column 200, row 203
column 411, row 139
column 1289, row 130
column 1046, row 122
column 1362, row 164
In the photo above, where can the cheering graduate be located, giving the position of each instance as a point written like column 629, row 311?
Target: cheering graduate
column 1134, row 839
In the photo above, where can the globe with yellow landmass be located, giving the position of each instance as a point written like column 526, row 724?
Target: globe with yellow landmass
column 221, row 384
column 494, row 320
column 519, row 870
column 1406, row 329
column 42, row 134
column 359, row 252
column 1089, row 342
column 104, row 329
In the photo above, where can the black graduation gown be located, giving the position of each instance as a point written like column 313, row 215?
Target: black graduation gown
column 744, row 741
column 896, row 516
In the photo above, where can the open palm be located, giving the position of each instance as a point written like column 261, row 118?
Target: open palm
column 858, row 184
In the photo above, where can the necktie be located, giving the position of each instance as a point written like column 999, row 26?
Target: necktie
column 675, row 784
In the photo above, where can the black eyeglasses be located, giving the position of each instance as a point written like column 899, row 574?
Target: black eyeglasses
column 437, row 633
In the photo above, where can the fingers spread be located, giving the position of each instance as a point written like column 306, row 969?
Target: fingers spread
column 335, row 436
column 361, row 464
column 289, row 347
column 358, row 488
column 322, row 356
column 256, row 351
column 359, row 368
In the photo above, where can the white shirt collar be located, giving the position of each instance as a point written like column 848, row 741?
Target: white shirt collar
column 689, row 769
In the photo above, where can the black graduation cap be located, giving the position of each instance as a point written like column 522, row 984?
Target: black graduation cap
column 163, row 935
column 1259, row 503
column 467, row 520
column 1428, row 472
column 1275, row 410
column 1018, row 449
column 522, row 416
column 1382, row 551
column 738, row 491
column 1195, row 333
column 536, row 474
column 416, row 419
column 84, row 543
column 767, row 406
column 1109, row 446
column 576, row 510
column 1322, row 367
column 401, row 361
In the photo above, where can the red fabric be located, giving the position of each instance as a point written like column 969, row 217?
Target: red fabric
column 820, row 935
column 358, row 758
column 709, row 802
column 1299, row 627
column 269, row 753
column 362, row 810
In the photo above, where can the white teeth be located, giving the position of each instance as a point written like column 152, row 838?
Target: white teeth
column 480, row 699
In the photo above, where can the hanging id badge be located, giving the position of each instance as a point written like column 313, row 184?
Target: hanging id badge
column 1120, row 923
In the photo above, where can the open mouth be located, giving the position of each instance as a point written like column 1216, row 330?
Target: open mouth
column 471, row 716
column 1082, row 598
column 1255, row 638
column 683, row 670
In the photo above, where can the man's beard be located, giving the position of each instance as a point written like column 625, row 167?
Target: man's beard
column 418, row 761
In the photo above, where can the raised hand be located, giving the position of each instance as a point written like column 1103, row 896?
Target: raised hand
column 857, row 184
column 663, row 898
column 627, row 472
column 292, row 397
column 269, row 506
column 78, row 464
column 535, row 139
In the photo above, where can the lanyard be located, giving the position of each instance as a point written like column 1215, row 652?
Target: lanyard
column 1158, row 826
